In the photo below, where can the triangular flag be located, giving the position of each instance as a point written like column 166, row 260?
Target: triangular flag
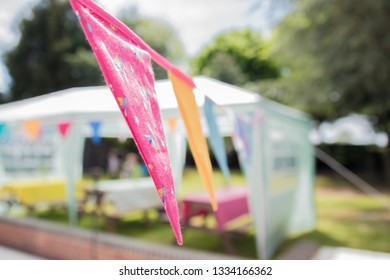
column 172, row 122
column 123, row 33
column 216, row 139
column 2, row 129
column 128, row 72
column 32, row 128
column 95, row 125
column 63, row 128
column 4, row 133
column 196, row 140
column 242, row 136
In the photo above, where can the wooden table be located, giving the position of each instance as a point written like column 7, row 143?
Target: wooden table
column 114, row 198
column 232, row 204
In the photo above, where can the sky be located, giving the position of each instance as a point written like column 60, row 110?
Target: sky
column 197, row 22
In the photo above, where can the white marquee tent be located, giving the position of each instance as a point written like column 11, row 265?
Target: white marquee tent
column 279, row 170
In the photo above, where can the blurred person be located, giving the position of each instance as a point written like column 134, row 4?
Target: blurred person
column 113, row 164
column 129, row 166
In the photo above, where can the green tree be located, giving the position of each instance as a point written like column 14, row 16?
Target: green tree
column 302, row 84
column 342, row 49
column 338, row 53
column 52, row 53
column 236, row 57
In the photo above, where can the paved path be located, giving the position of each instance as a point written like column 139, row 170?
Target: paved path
column 339, row 253
column 310, row 250
column 7, row 253
column 300, row 252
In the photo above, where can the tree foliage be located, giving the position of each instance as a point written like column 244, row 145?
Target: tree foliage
column 337, row 52
column 53, row 53
column 235, row 57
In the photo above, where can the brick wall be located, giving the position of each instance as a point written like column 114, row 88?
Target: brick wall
column 56, row 241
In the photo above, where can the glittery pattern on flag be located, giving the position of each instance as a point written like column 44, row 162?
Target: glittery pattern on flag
column 128, row 72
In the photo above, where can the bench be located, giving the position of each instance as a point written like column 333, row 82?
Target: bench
column 33, row 193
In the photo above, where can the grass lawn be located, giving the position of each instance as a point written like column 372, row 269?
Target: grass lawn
column 345, row 218
column 348, row 218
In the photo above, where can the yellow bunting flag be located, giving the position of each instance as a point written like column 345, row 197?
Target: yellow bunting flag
column 196, row 140
column 172, row 122
column 32, row 128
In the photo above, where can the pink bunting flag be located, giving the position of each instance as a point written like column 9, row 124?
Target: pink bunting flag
column 128, row 72
column 63, row 128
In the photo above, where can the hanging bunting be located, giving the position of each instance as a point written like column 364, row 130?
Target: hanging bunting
column 63, row 128
column 122, row 33
column 128, row 72
column 216, row 139
column 172, row 122
column 95, row 137
column 4, row 133
column 242, row 136
column 2, row 129
column 32, row 128
column 196, row 140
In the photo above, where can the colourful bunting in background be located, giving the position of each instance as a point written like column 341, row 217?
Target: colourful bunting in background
column 172, row 122
column 4, row 133
column 216, row 139
column 242, row 136
column 63, row 128
column 122, row 33
column 128, row 72
column 243, row 127
column 95, row 125
column 2, row 129
column 196, row 140
column 32, row 128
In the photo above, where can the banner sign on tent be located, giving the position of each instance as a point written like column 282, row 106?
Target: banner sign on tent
column 128, row 72
column 216, row 139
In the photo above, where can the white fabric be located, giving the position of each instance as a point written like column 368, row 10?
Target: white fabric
column 82, row 105
column 130, row 194
column 97, row 102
